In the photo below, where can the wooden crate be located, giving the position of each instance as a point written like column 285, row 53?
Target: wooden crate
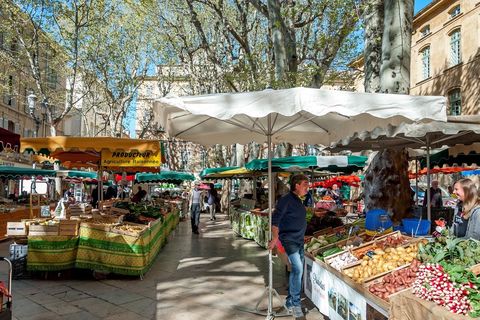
column 368, row 283
column 117, row 229
column 16, row 229
column 118, row 211
column 68, row 228
column 43, row 230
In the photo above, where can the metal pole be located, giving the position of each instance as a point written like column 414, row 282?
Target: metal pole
column 416, row 181
column 270, row 205
column 429, row 209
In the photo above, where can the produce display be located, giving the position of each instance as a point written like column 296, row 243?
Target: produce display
column 459, row 294
column 379, row 261
column 141, row 213
column 130, row 228
column 458, row 251
column 396, row 281
column 328, row 253
column 445, row 277
column 315, row 244
column 342, row 260
column 390, row 241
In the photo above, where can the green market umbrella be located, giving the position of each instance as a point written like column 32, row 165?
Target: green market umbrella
column 298, row 163
column 164, row 176
column 18, row 172
column 211, row 171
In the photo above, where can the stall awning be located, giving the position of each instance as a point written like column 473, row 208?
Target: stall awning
column 209, row 171
column 111, row 153
column 17, row 172
column 77, row 174
column 240, row 172
column 164, row 176
column 329, row 163
column 446, row 157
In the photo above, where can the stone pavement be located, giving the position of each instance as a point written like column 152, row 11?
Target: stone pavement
column 214, row 276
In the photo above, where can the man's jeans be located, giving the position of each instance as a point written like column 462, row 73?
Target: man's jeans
column 295, row 256
column 195, row 216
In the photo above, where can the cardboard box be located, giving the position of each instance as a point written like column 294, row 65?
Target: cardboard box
column 16, row 229
column 43, row 230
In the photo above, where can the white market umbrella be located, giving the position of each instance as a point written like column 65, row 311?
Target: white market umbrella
column 416, row 135
column 293, row 115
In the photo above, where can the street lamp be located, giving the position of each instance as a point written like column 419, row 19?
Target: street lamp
column 31, row 102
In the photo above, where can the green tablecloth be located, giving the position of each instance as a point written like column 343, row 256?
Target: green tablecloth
column 101, row 250
column 250, row 226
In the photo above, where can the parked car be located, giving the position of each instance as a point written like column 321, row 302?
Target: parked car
column 447, row 199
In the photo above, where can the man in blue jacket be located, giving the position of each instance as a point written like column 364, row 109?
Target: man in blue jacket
column 288, row 225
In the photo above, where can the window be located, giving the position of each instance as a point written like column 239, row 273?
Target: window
column 425, row 31
column 455, row 102
column 52, row 79
column 454, row 12
column 455, row 48
column 425, row 63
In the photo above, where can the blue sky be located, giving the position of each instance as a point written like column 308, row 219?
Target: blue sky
column 420, row 4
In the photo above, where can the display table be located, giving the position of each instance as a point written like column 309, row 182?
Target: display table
column 405, row 305
column 14, row 216
column 51, row 253
column 338, row 296
column 101, row 250
column 251, row 225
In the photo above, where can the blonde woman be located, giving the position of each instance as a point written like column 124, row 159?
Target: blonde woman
column 466, row 221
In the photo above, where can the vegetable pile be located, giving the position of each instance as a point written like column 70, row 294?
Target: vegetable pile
column 342, row 260
column 328, row 253
column 458, row 251
column 396, row 281
column 379, row 261
column 390, row 242
column 433, row 283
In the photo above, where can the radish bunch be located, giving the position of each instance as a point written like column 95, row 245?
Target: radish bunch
column 434, row 284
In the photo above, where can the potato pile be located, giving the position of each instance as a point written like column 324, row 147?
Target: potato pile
column 380, row 261
column 396, row 281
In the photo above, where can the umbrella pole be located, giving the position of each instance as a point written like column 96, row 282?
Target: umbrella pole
column 416, row 181
column 270, row 205
column 429, row 209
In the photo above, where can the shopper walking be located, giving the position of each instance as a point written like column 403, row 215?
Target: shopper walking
column 289, row 224
column 212, row 201
column 195, row 200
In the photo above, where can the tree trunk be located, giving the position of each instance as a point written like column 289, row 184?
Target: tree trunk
column 397, row 37
column 386, row 186
column 284, row 46
column 374, row 21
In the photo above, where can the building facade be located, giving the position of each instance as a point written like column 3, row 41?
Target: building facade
column 21, row 110
column 445, row 55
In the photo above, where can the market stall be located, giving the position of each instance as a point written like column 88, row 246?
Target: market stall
column 396, row 276
column 174, row 177
column 25, row 206
column 106, row 240
column 121, row 248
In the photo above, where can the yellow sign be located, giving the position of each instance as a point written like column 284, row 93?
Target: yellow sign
column 130, row 159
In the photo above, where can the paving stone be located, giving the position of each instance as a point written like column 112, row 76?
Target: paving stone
column 62, row 308
column 71, row 295
column 82, row 315
column 98, row 307
column 43, row 298
column 144, row 307
column 119, row 297
column 26, row 308
column 128, row 315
